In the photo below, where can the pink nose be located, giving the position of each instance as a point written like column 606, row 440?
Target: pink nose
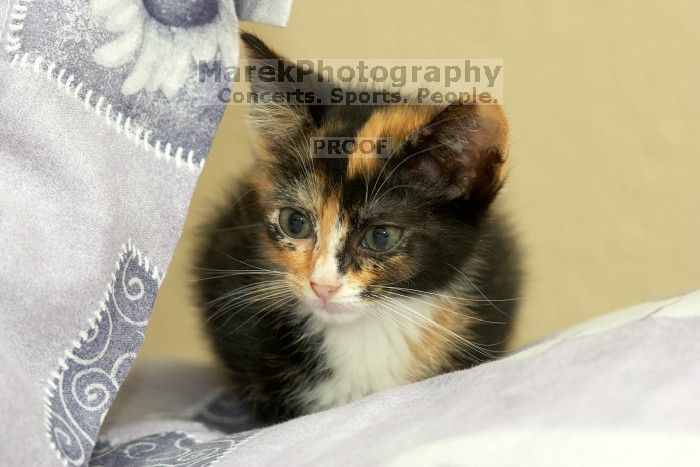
column 324, row 291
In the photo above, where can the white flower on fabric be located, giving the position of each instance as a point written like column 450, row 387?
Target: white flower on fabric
column 165, row 37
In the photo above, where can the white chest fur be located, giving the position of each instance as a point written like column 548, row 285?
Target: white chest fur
column 370, row 354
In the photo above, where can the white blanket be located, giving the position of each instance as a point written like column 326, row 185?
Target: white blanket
column 621, row 390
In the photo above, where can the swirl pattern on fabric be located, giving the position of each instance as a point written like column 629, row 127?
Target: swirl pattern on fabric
column 83, row 388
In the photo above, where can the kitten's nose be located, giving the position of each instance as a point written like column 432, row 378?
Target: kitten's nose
column 324, row 291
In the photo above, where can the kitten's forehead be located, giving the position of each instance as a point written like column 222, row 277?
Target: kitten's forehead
column 391, row 125
column 349, row 180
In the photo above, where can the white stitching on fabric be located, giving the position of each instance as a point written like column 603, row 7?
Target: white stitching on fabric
column 15, row 25
column 13, row 39
column 126, row 249
column 119, row 123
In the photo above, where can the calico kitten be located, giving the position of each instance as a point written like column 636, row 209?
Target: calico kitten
column 324, row 279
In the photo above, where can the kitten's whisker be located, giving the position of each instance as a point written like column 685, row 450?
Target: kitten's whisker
column 243, row 298
column 289, row 275
column 236, row 307
column 241, row 197
column 403, row 161
column 244, row 272
column 234, row 274
column 252, row 295
column 249, row 205
column 392, row 188
column 366, row 177
column 386, row 163
column 469, row 316
column 243, row 262
column 230, row 309
column 298, row 152
column 390, row 315
column 385, row 314
column 218, row 270
column 490, row 302
column 467, row 342
column 238, row 227
column 239, row 290
column 234, row 303
column 266, row 310
column 432, row 330
column 475, row 318
column 453, row 297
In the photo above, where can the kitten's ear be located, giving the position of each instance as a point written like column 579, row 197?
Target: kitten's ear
column 256, row 49
column 276, row 84
column 461, row 153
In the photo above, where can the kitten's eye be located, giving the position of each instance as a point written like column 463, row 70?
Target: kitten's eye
column 294, row 223
column 382, row 237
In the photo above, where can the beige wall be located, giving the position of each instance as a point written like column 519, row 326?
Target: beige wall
column 604, row 104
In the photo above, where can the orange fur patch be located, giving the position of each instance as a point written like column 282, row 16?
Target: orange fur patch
column 261, row 180
column 431, row 351
column 493, row 126
column 395, row 123
column 362, row 277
